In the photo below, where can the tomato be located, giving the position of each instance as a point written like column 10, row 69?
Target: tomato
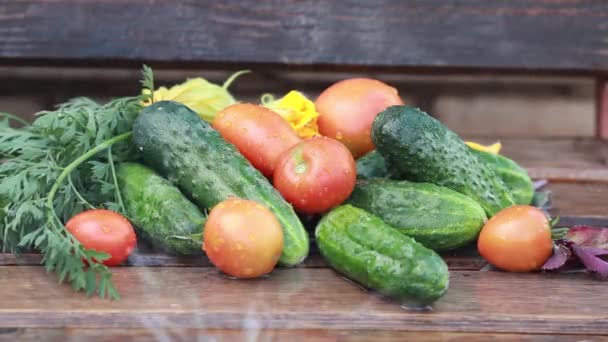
column 260, row 134
column 104, row 231
column 347, row 110
column 316, row 175
column 517, row 239
column 242, row 238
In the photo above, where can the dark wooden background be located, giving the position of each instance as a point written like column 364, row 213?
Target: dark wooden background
column 568, row 35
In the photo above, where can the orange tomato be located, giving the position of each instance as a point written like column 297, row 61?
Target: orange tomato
column 347, row 110
column 260, row 134
column 516, row 239
column 242, row 238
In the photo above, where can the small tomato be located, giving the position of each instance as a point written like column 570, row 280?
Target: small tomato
column 316, row 175
column 242, row 238
column 516, row 239
column 348, row 108
column 260, row 134
column 104, row 231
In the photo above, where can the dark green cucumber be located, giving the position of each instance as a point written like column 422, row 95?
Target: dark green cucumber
column 515, row 177
column 186, row 150
column 160, row 212
column 437, row 217
column 419, row 148
column 367, row 250
column 372, row 165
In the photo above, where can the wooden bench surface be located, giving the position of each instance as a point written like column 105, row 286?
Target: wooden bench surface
column 186, row 298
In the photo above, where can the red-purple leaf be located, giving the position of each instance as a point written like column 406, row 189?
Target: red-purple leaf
column 586, row 236
column 591, row 261
column 561, row 254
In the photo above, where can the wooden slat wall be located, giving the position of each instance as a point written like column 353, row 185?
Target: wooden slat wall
column 516, row 34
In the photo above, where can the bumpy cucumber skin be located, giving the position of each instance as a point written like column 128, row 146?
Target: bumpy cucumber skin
column 419, row 148
column 186, row 150
column 439, row 218
column 367, row 250
column 372, row 165
column 515, row 177
column 160, row 212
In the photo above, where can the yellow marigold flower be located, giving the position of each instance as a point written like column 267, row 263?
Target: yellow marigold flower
column 298, row 110
column 494, row 148
column 200, row 95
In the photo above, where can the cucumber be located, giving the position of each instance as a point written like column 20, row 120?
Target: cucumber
column 159, row 211
column 439, row 218
column 187, row 151
column 367, row 250
column 372, row 165
column 515, row 177
column 419, row 148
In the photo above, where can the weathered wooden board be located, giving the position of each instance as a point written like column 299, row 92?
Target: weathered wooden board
column 523, row 34
column 264, row 335
column 158, row 298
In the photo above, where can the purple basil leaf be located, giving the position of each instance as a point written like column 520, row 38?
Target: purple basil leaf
column 586, row 236
column 591, row 262
column 561, row 254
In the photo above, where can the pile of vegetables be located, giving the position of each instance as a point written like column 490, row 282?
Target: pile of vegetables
column 190, row 170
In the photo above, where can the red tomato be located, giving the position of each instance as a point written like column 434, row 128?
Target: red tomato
column 260, row 134
column 347, row 110
column 517, row 239
column 243, row 238
column 316, row 175
column 104, row 231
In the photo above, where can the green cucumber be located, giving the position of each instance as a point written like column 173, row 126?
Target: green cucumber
column 367, row 250
column 439, row 218
column 372, row 165
column 187, row 151
column 515, row 177
column 159, row 211
column 420, row 148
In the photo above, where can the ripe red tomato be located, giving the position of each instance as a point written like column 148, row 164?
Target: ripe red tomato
column 517, row 239
column 242, row 238
column 347, row 110
column 260, row 134
column 316, row 175
column 104, row 231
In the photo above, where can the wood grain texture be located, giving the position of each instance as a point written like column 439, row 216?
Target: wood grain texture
column 468, row 261
column 265, row 335
column 602, row 108
column 160, row 298
column 528, row 34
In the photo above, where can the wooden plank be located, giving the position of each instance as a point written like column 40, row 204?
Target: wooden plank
column 159, row 297
column 579, row 200
column 557, row 160
column 602, row 108
column 257, row 334
column 529, row 34
column 460, row 261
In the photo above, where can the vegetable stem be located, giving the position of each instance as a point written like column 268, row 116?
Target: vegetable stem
column 115, row 180
column 68, row 169
column 233, row 77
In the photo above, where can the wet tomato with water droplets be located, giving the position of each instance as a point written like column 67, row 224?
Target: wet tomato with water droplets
column 516, row 239
column 260, row 134
column 242, row 238
column 316, row 175
column 348, row 108
column 104, row 231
